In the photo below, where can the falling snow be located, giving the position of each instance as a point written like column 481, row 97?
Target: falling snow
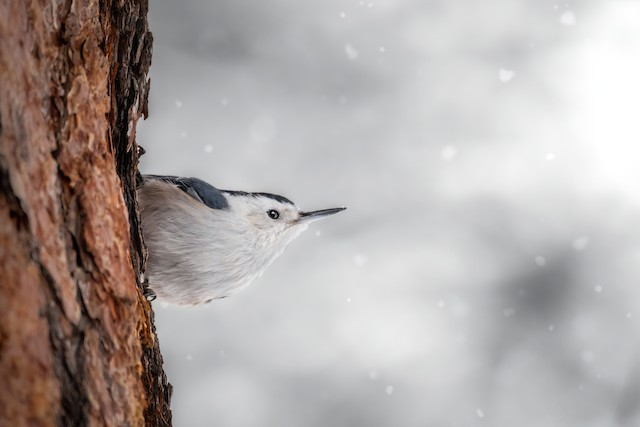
column 580, row 243
column 506, row 75
column 568, row 18
column 360, row 260
column 449, row 152
column 351, row 52
column 588, row 356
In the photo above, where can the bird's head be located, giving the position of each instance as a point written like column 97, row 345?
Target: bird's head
column 274, row 219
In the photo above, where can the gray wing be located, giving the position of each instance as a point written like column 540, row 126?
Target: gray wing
column 201, row 191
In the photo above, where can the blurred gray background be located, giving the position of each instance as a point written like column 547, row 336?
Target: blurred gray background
column 487, row 270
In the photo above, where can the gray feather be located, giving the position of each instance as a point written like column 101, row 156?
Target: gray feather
column 200, row 190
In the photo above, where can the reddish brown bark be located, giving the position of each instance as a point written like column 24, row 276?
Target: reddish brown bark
column 77, row 342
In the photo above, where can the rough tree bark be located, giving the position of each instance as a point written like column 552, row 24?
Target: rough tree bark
column 77, row 341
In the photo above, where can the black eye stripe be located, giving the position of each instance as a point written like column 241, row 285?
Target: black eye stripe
column 273, row 214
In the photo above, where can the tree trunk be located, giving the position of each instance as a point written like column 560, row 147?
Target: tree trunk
column 77, row 341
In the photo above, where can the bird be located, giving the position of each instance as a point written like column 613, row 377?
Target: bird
column 204, row 243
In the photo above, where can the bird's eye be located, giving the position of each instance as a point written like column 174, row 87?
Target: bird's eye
column 273, row 214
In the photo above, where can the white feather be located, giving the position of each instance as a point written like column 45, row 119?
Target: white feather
column 197, row 253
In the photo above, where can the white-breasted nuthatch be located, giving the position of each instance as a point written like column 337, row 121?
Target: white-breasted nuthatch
column 205, row 243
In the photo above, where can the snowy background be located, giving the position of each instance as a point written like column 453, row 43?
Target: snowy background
column 487, row 270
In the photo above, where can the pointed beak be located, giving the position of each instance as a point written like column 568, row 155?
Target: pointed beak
column 316, row 215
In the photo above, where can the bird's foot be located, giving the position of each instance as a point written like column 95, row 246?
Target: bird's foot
column 148, row 293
